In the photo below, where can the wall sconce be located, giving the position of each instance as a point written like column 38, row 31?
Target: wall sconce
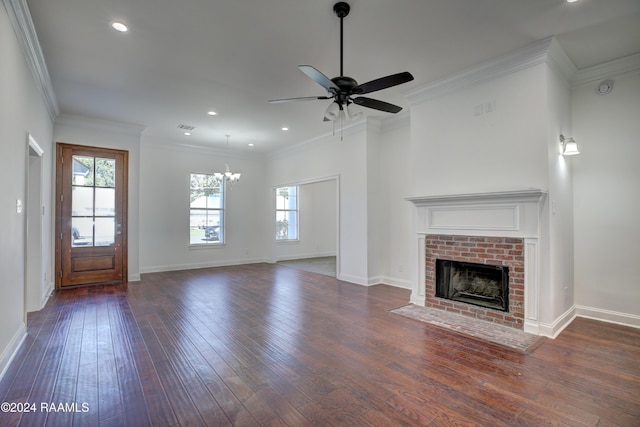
column 569, row 146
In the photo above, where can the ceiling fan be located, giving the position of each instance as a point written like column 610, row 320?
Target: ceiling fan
column 345, row 90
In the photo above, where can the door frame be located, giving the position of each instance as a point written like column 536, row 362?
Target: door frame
column 58, row 220
column 34, row 267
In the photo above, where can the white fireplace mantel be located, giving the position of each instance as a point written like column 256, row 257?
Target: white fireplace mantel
column 504, row 214
column 496, row 214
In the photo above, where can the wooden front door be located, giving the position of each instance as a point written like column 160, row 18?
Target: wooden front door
column 91, row 215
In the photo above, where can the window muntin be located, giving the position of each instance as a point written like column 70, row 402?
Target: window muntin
column 287, row 213
column 93, row 206
column 206, row 210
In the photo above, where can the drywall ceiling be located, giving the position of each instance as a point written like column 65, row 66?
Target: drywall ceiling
column 181, row 59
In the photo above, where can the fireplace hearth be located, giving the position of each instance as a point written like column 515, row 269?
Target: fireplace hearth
column 478, row 284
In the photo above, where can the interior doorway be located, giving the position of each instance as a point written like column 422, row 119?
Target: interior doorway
column 317, row 246
column 91, row 215
column 35, row 284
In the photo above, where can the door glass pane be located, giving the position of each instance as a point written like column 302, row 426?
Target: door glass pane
column 82, row 201
column 105, row 202
column 82, row 171
column 105, row 172
column 105, row 231
column 81, row 232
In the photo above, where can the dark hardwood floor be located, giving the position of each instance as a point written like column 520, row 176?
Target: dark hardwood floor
column 274, row 346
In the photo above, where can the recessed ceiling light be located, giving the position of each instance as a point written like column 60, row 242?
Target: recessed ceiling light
column 285, row 128
column 571, row 1
column 187, row 133
column 250, row 144
column 119, row 26
column 212, row 113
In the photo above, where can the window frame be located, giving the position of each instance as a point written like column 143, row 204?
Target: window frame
column 296, row 211
column 222, row 211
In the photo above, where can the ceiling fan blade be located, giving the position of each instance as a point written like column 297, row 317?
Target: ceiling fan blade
column 376, row 104
column 304, row 98
column 382, row 83
column 319, row 78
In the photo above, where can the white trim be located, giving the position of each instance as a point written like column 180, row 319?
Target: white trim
column 616, row 69
column 20, row 18
column 46, row 295
column 348, row 129
column 134, row 278
column 534, row 54
column 531, row 283
column 9, row 352
column 552, row 330
column 34, row 145
column 364, row 281
column 527, row 195
column 100, row 124
column 396, row 282
column 402, row 120
column 207, row 264
column 626, row 319
column 307, row 255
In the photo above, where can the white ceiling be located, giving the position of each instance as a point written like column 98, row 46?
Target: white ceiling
column 183, row 58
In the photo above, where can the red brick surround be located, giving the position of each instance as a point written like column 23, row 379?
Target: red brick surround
column 483, row 250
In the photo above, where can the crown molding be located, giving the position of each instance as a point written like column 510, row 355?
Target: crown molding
column 99, row 125
column 559, row 61
column 20, row 18
column 616, row 69
column 349, row 129
column 401, row 120
column 170, row 145
column 531, row 55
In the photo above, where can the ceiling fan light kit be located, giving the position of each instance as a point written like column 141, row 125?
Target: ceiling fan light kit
column 345, row 90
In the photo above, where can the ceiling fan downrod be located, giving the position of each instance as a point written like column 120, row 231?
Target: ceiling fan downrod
column 341, row 9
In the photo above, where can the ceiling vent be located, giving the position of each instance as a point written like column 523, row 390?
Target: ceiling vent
column 186, row 127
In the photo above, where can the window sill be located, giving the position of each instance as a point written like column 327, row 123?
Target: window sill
column 287, row 242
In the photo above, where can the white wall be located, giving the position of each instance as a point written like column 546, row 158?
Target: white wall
column 456, row 152
column 557, row 283
column 164, row 209
column 607, row 200
column 121, row 136
column 317, row 223
column 396, row 213
column 22, row 111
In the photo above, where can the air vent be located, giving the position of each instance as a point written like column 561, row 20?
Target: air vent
column 186, row 127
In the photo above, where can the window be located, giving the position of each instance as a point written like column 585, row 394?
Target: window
column 93, row 201
column 206, row 210
column 287, row 213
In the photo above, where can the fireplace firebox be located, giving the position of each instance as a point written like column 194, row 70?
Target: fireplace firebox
column 478, row 284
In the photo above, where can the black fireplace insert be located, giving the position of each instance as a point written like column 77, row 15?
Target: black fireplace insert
column 478, row 284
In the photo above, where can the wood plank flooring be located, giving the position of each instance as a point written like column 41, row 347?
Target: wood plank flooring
column 266, row 345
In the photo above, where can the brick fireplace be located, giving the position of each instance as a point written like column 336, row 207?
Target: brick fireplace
column 481, row 250
column 499, row 229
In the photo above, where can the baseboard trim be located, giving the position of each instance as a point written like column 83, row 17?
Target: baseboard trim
column 363, row 281
column 46, row 295
column 395, row 282
column 177, row 267
column 609, row 316
column 12, row 348
column 552, row 330
column 305, row 256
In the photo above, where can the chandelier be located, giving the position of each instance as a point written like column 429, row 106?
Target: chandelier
column 231, row 177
